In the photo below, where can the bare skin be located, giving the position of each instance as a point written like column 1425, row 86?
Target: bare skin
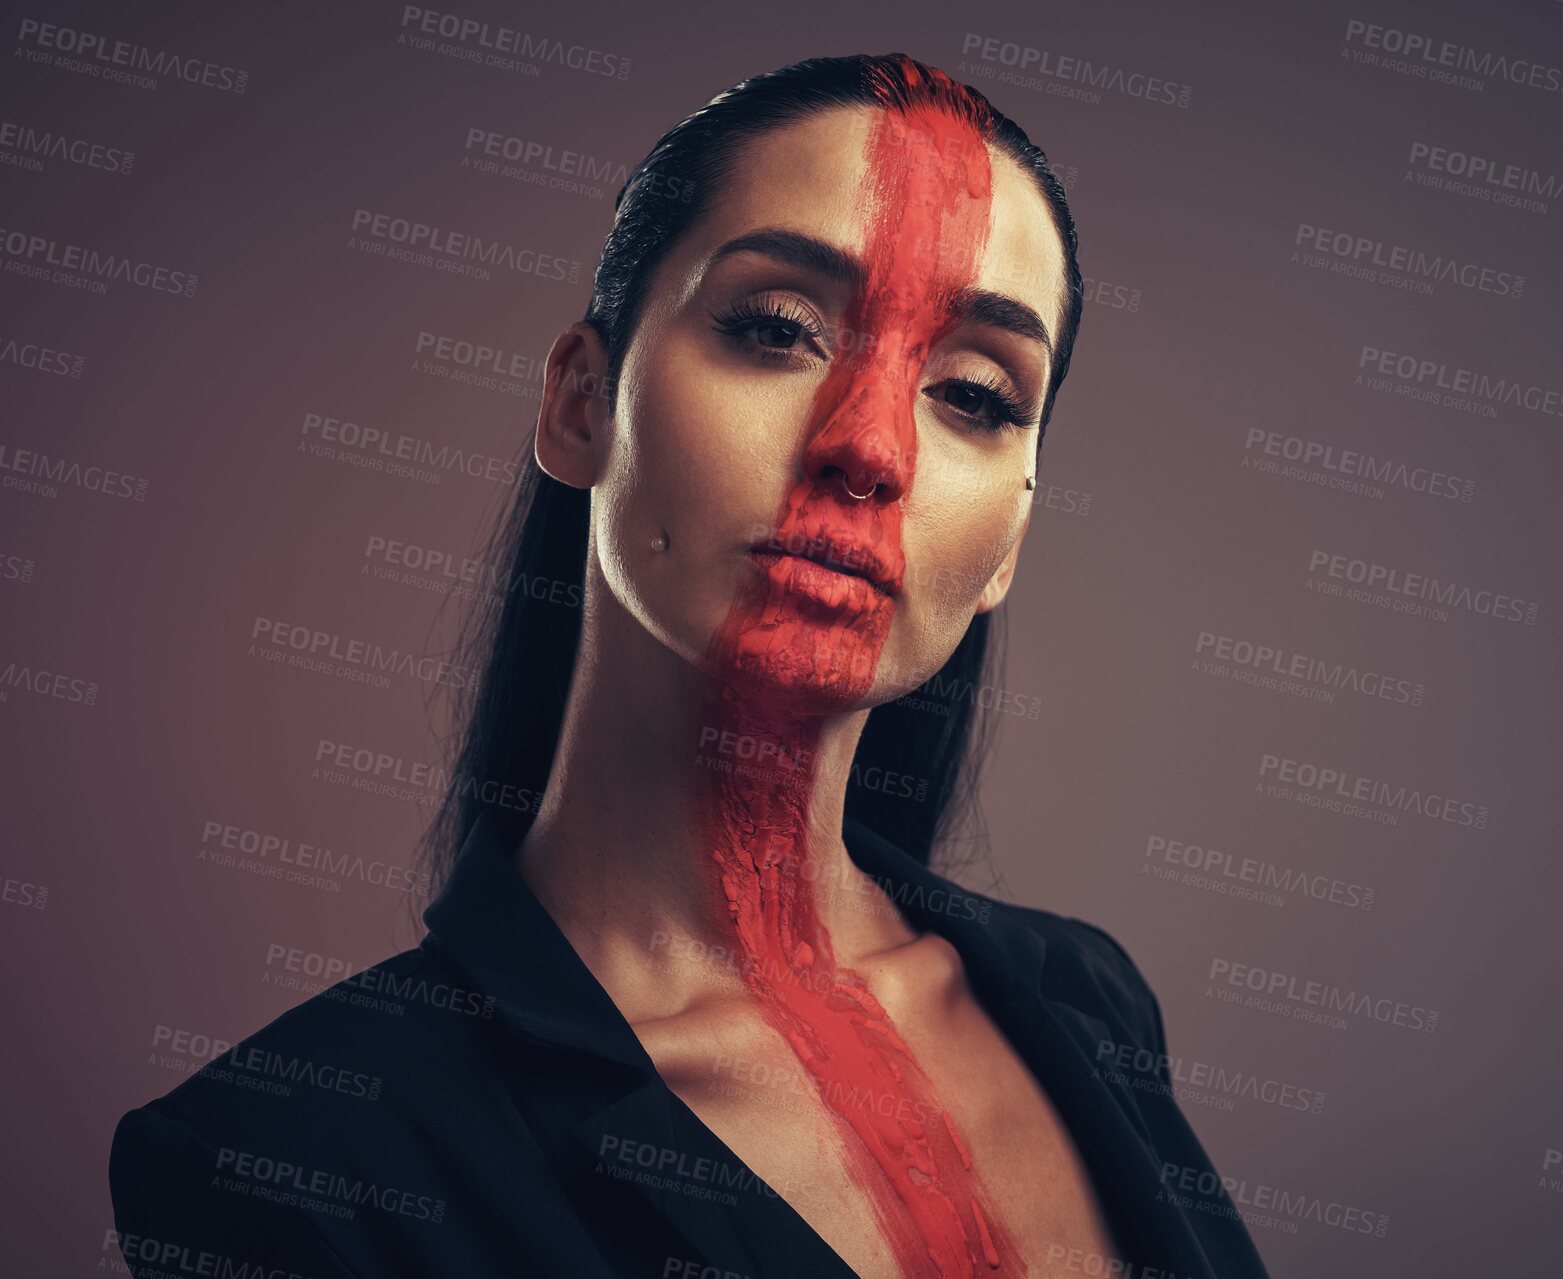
column 694, row 457
column 745, row 1085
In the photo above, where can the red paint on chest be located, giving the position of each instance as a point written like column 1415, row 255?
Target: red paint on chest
column 803, row 637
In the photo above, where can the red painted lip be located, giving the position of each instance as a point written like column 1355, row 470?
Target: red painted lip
column 851, row 559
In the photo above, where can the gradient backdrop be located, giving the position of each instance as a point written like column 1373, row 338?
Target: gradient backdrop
column 1296, row 535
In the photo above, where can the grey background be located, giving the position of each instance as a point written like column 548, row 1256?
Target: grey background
column 1202, row 327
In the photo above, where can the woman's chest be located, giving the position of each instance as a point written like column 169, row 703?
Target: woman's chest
column 800, row 1130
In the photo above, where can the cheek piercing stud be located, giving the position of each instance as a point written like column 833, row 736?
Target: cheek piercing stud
column 659, row 542
column 1031, row 482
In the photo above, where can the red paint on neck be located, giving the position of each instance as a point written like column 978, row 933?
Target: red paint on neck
column 788, row 651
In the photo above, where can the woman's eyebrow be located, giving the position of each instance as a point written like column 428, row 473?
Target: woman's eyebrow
column 969, row 304
column 799, row 250
column 998, row 311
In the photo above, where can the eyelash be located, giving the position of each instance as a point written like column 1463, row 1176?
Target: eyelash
column 741, row 319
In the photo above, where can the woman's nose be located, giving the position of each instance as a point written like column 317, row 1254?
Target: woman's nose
column 864, row 436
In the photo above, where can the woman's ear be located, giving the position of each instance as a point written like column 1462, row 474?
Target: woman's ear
column 997, row 586
column 572, row 422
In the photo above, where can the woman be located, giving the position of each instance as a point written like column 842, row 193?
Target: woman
column 703, row 1009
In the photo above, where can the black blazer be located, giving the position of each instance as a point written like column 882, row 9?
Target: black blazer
column 479, row 1107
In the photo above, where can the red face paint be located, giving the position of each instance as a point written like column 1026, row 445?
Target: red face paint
column 802, row 638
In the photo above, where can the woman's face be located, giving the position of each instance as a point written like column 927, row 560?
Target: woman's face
column 851, row 347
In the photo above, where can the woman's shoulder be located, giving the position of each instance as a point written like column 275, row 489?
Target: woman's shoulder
column 1089, row 967
column 1082, row 964
column 260, row 1156
column 352, row 1059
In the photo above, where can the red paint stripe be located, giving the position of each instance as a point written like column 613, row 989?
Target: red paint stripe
column 787, row 645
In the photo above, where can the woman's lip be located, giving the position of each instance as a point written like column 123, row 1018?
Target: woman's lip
column 768, row 559
column 769, row 555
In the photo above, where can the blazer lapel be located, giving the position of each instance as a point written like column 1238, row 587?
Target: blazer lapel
column 1059, row 1041
column 1031, row 995
column 642, row 1139
column 650, row 1144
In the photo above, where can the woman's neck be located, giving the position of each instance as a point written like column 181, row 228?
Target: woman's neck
column 671, row 797
column 690, row 848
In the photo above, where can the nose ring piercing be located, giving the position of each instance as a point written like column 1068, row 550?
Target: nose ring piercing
column 859, row 497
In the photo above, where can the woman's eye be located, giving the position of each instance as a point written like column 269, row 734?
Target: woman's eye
column 978, row 404
column 770, row 330
column 965, row 397
column 778, row 335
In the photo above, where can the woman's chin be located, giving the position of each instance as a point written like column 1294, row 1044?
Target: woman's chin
column 800, row 679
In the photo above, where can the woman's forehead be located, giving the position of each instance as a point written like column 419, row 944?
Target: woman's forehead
column 812, row 175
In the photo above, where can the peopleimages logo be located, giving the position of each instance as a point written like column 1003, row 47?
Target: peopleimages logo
column 1263, row 661
column 1342, row 785
column 1396, row 265
column 1496, row 181
column 559, row 161
column 40, row 358
column 500, row 39
column 47, row 683
column 1245, row 877
column 110, row 59
column 1064, row 69
column 1400, row 586
column 39, row 473
column 416, row 781
column 322, row 646
column 258, row 1069
column 1340, row 467
column 1433, row 381
column 41, row 257
column 17, row 568
column 147, row 1255
column 374, row 448
column 455, row 252
column 319, row 1189
column 30, row 146
column 673, row 1168
column 1260, row 1204
column 1550, row 1160
column 1318, row 1000
column 1423, row 55
column 223, row 842
column 1160, row 1072
column 478, row 356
